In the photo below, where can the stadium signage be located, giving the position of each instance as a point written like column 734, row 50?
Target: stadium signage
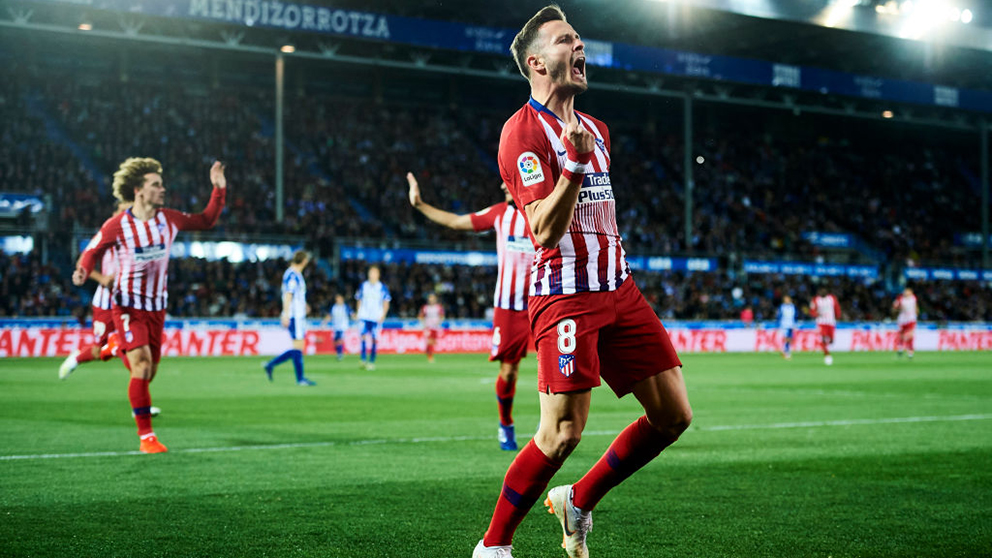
column 811, row 269
column 829, row 240
column 946, row 274
column 662, row 263
column 294, row 16
column 970, row 240
column 204, row 338
column 12, row 205
column 234, row 252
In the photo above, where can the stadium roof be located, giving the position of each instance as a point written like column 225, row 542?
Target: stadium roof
column 793, row 37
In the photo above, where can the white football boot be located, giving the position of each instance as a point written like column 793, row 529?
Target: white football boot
column 483, row 551
column 575, row 523
column 68, row 365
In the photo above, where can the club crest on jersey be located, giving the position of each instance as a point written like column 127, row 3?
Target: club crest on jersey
column 128, row 336
column 161, row 228
column 530, row 169
column 566, row 365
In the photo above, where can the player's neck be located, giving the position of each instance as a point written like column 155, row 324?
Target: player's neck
column 558, row 101
column 143, row 211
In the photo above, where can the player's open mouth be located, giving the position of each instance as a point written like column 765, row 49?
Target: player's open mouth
column 579, row 68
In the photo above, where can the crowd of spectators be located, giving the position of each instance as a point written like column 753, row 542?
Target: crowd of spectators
column 345, row 165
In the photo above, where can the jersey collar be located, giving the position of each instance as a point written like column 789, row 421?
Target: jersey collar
column 541, row 108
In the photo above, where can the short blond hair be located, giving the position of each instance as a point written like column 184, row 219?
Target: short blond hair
column 131, row 175
column 523, row 43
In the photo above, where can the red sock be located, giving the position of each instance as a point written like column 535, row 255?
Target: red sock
column 141, row 403
column 523, row 485
column 86, row 354
column 826, row 348
column 430, row 351
column 909, row 344
column 504, row 395
column 634, row 448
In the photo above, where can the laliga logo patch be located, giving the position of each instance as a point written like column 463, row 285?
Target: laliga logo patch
column 530, row 168
column 95, row 241
column 566, row 365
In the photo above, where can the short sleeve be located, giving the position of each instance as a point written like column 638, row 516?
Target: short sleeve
column 486, row 219
column 525, row 161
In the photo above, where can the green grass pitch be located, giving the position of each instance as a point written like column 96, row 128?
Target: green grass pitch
column 869, row 457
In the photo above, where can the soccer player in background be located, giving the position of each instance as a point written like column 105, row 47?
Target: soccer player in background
column 373, row 305
column 105, row 342
column 588, row 318
column 339, row 316
column 431, row 316
column 294, row 317
column 787, row 324
column 826, row 310
column 142, row 237
column 905, row 304
column 511, row 327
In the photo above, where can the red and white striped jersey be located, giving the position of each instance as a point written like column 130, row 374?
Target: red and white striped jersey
column 515, row 251
column 433, row 315
column 142, row 249
column 907, row 309
column 826, row 309
column 590, row 256
column 108, row 266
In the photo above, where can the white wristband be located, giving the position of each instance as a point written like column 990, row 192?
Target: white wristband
column 577, row 168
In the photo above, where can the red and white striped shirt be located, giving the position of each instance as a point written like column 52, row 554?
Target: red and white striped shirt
column 108, row 266
column 826, row 309
column 515, row 251
column 907, row 309
column 433, row 315
column 590, row 256
column 142, row 249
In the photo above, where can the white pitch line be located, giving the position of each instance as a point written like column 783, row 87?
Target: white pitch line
column 442, row 439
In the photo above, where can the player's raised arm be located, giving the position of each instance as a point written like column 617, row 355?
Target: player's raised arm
column 439, row 216
column 208, row 218
column 550, row 217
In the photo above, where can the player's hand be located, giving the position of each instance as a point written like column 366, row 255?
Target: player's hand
column 577, row 139
column 284, row 320
column 217, row 175
column 79, row 277
column 414, row 193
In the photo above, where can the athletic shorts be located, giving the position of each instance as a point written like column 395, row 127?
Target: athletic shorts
column 140, row 327
column 297, row 329
column 583, row 337
column 370, row 328
column 787, row 333
column 103, row 325
column 906, row 328
column 511, row 335
column 338, row 335
column 826, row 331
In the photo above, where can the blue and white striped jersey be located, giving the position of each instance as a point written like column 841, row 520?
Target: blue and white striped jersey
column 340, row 317
column 292, row 282
column 373, row 298
column 787, row 316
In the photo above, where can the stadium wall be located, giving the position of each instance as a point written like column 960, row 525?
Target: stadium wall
column 52, row 337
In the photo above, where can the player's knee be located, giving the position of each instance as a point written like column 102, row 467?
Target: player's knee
column 672, row 423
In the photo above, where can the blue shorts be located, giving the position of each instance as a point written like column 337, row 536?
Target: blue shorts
column 338, row 335
column 370, row 328
column 787, row 332
column 297, row 329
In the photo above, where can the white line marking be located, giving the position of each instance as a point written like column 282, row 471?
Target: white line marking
column 377, row 441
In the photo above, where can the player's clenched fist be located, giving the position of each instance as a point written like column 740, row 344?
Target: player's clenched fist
column 578, row 138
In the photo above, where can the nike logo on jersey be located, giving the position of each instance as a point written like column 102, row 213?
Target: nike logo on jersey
column 562, row 153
